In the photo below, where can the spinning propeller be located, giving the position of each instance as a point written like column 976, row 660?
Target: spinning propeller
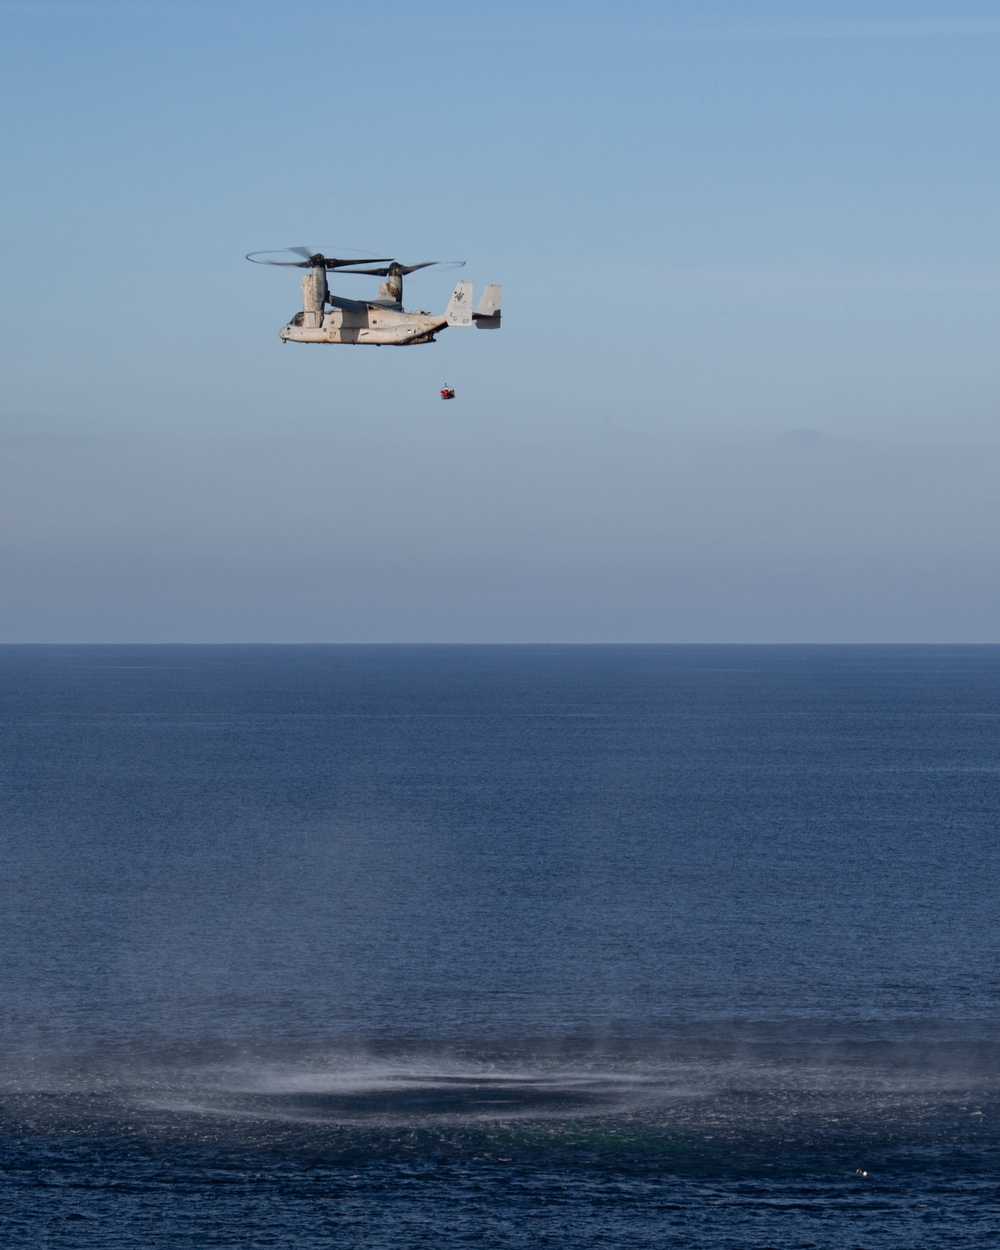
column 316, row 260
column 396, row 270
column 312, row 260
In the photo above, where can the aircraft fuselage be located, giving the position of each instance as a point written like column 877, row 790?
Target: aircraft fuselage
column 375, row 325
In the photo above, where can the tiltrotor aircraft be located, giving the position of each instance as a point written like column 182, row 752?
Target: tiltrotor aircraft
column 327, row 318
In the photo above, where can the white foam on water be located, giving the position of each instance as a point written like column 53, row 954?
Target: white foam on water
column 699, row 1087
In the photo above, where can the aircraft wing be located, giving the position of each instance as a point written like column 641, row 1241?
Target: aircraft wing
column 348, row 305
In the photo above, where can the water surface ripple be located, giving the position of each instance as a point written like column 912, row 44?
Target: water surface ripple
column 502, row 946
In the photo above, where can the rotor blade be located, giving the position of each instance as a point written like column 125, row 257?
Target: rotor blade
column 333, row 263
column 285, row 264
column 405, row 269
column 441, row 264
column 378, row 273
column 311, row 259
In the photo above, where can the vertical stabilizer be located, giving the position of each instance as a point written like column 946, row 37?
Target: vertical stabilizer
column 487, row 314
column 459, row 310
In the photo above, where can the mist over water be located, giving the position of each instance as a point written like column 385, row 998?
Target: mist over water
column 622, row 946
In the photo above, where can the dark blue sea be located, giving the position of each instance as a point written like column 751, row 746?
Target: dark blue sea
column 389, row 947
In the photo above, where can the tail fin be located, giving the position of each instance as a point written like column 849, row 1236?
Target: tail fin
column 487, row 314
column 459, row 310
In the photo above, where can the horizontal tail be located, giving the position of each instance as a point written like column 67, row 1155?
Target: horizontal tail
column 487, row 314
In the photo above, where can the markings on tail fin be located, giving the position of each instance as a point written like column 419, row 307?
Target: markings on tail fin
column 459, row 310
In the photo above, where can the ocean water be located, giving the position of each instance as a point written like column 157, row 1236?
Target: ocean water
column 499, row 947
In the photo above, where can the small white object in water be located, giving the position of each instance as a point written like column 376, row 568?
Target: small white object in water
column 860, row 1172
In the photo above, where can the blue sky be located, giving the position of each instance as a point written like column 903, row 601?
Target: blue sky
column 747, row 384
